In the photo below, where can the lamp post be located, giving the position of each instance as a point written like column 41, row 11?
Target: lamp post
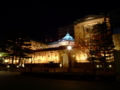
column 31, row 64
column 69, row 58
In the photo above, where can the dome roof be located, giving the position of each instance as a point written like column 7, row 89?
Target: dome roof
column 67, row 38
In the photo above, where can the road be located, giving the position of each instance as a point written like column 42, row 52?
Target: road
column 14, row 81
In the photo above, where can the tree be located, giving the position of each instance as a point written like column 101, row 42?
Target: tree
column 18, row 48
column 100, row 43
column 17, row 44
column 3, row 55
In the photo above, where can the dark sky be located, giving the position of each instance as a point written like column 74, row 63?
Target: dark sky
column 40, row 18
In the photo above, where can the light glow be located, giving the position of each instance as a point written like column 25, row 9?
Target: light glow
column 69, row 47
column 97, row 65
column 6, row 61
column 60, row 65
column 83, row 57
column 73, row 55
column 8, row 66
column 17, row 66
column 110, row 65
column 23, row 65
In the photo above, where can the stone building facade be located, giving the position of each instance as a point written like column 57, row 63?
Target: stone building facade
column 82, row 25
column 56, row 53
column 52, row 53
column 116, row 40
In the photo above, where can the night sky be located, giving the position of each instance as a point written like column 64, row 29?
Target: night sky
column 37, row 18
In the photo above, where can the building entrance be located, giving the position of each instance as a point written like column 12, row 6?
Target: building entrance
column 65, row 60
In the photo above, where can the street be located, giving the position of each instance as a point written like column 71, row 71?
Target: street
column 15, row 81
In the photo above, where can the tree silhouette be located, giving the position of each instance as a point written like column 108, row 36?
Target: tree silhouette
column 17, row 44
column 100, row 43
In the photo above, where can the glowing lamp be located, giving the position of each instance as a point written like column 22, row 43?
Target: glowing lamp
column 69, row 47
column 97, row 65
column 8, row 66
column 110, row 65
column 60, row 65
column 17, row 66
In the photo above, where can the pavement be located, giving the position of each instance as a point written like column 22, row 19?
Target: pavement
column 16, row 81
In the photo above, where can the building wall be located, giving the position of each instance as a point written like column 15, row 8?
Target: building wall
column 35, row 45
column 53, row 45
column 116, row 40
column 44, row 57
column 80, row 28
column 56, row 57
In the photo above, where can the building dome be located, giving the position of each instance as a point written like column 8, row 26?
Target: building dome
column 68, row 37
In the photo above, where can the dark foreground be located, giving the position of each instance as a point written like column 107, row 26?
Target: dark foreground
column 15, row 81
column 71, row 76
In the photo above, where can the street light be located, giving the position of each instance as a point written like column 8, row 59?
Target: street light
column 69, row 57
column 69, row 47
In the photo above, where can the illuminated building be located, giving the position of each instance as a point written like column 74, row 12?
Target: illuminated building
column 86, row 23
column 116, row 40
column 96, row 41
column 56, row 54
